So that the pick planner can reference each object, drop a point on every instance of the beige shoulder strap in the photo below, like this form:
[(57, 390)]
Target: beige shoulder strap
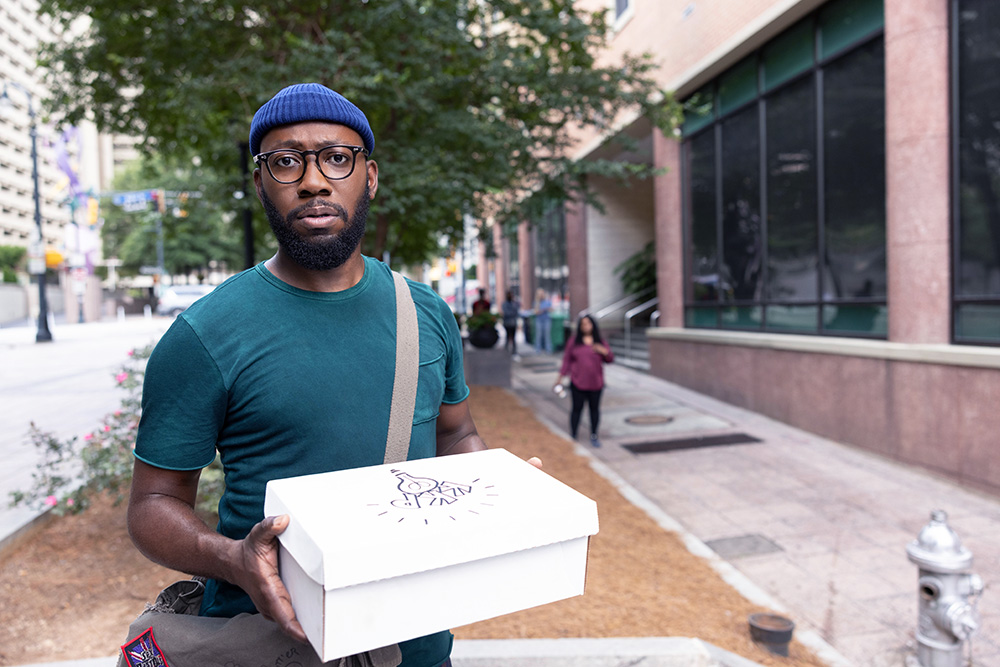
[(404, 385)]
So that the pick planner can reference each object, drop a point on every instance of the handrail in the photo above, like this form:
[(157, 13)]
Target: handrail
[(628, 321), (612, 307), (654, 317)]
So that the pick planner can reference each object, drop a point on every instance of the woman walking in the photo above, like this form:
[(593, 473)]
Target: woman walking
[(583, 363)]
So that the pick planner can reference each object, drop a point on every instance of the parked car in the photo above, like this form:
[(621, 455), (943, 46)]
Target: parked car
[(177, 298)]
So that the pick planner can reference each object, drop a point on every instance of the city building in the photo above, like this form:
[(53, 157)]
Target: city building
[(73, 163), (827, 224)]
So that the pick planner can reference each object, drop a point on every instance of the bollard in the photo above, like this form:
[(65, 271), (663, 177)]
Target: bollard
[(946, 617)]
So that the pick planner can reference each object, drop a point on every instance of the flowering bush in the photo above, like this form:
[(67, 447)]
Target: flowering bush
[(71, 473)]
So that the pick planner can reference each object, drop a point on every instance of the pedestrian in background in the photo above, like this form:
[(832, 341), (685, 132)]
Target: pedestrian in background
[(543, 322), (510, 309), (583, 363), (482, 304)]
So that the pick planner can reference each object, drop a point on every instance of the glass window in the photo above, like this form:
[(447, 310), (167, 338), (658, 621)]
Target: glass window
[(551, 269), (788, 55), (977, 126), (784, 190), (792, 231), (738, 86), (979, 149), (704, 247), (741, 233), (699, 110), (854, 168), (844, 22)]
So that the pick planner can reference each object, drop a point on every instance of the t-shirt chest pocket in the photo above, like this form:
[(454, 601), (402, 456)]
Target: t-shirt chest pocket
[(430, 388)]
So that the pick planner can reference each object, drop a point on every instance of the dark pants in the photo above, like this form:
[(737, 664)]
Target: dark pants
[(511, 341), (593, 400)]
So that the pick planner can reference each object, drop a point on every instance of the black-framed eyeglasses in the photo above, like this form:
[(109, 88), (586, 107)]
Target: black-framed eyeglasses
[(287, 165)]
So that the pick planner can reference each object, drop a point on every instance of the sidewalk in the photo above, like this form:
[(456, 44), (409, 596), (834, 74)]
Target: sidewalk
[(65, 387), (820, 527), (811, 528)]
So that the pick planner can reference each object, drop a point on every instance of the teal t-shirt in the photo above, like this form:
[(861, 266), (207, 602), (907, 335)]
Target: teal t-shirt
[(285, 382)]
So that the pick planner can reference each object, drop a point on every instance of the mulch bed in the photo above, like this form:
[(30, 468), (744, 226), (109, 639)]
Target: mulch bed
[(71, 589)]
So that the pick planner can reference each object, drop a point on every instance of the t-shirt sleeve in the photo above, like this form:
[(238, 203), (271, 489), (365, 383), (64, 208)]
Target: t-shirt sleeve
[(183, 403), (455, 389)]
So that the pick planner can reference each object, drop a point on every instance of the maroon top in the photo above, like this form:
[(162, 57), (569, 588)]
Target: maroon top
[(585, 367)]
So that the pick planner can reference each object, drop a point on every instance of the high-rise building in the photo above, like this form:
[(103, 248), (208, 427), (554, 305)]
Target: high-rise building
[(71, 160)]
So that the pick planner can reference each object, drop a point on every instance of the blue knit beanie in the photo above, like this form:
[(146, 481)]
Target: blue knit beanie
[(304, 102)]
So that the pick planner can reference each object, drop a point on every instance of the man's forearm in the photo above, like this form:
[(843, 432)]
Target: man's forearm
[(168, 532)]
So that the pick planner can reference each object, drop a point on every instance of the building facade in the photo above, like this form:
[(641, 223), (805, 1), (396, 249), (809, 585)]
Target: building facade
[(72, 161), (827, 223)]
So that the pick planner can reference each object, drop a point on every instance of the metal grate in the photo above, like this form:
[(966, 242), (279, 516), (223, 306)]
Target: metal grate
[(648, 420), (742, 546), (692, 443)]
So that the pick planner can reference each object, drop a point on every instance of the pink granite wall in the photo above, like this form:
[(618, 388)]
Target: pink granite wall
[(917, 170), (940, 417), (576, 257), (669, 230)]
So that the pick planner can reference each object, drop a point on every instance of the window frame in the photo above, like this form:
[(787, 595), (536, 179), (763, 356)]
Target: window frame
[(763, 302)]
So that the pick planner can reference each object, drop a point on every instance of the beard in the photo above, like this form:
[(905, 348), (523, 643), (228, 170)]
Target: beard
[(319, 252)]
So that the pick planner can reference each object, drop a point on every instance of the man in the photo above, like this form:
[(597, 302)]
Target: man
[(287, 368)]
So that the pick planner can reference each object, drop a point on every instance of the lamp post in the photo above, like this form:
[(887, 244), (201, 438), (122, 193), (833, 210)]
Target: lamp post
[(43, 335)]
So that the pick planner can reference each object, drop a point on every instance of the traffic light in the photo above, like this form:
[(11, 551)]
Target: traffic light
[(159, 198)]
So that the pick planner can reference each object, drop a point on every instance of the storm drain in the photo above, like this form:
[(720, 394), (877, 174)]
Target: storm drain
[(548, 368), (648, 420), (692, 443), (743, 546)]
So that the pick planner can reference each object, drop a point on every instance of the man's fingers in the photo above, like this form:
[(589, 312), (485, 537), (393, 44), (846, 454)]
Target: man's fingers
[(535, 461)]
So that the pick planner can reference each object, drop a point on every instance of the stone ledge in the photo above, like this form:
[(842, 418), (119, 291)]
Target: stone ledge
[(950, 355)]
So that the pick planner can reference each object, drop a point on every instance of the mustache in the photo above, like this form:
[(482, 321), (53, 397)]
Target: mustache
[(317, 203)]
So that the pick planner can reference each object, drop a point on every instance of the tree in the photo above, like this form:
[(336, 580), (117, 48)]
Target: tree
[(195, 231), (472, 102)]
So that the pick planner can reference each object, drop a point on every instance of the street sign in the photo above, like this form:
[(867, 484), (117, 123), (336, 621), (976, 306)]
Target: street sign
[(133, 201), (149, 270)]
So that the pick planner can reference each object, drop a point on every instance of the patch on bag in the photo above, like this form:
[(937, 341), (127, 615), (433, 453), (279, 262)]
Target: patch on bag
[(143, 651)]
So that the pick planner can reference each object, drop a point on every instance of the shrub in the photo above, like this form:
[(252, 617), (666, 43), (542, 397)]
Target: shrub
[(70, 473)]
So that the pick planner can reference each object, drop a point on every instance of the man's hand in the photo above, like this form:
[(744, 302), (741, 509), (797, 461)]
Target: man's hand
[(165, 528), (257, 562)]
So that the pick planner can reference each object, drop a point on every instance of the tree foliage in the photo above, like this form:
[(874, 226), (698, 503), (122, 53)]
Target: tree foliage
[(194, 225), (473, 102)]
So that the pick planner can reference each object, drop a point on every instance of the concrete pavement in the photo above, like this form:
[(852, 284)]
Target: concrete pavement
[(819, 527), (65, 387), (811, 528)]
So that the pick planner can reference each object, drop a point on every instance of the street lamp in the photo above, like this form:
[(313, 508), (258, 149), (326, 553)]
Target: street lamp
[(43, 335)]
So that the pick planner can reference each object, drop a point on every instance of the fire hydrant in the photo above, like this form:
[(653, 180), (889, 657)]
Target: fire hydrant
[(947, 616)]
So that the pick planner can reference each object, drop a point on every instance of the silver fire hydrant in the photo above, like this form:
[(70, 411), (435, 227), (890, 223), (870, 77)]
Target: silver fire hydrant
[(946, 588)]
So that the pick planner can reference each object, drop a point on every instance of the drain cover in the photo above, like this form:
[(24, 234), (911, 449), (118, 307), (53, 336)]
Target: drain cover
[(648, 420), (691, 443), (742, 546)]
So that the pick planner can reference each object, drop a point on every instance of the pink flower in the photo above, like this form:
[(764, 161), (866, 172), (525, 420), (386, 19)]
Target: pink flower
[(69, 502), (89, 436), (121, 377), (118, 413), (106, 428), (51, 501), (131, 352)]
